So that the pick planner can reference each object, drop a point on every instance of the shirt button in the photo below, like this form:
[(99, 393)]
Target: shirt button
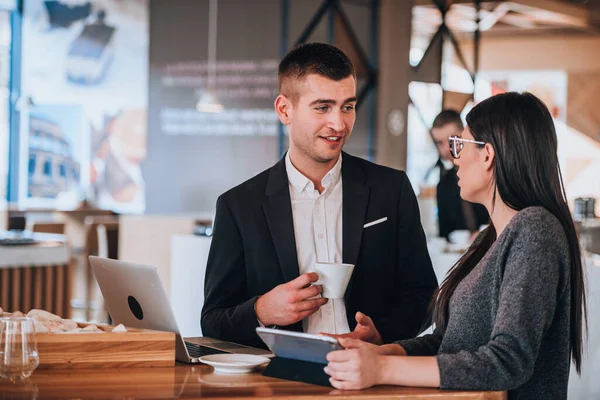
[(321, 236)]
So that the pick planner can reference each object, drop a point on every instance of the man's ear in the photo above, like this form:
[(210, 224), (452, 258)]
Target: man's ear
[(283, 108), (488, 156)]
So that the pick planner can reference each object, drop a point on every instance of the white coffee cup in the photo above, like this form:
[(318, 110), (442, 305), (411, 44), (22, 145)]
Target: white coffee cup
[(460, 237), (334, 278)]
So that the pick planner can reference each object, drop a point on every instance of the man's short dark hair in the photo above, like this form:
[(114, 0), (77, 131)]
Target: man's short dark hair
[(448, 117), (314, 58)]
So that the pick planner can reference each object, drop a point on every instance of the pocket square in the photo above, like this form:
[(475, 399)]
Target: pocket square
[(377, 221)]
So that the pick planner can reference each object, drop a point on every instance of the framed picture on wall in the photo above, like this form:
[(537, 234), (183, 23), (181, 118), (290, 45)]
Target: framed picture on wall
[(54, 147), (93, 54)]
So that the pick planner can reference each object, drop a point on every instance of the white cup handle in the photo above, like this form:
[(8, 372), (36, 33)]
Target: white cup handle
[(319, 281)]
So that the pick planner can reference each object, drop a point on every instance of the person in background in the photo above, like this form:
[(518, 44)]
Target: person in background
[(318, 204), (454, 213), (510, 314)]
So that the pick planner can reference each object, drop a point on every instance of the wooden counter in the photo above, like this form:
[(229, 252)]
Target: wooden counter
[(48, 249), (36, 275), (188, 382)]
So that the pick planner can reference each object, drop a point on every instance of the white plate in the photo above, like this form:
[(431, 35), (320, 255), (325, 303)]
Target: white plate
[(234, 363)]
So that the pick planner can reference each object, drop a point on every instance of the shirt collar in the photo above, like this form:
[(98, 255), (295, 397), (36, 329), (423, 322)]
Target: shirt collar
[(302, 183), (448, 165)]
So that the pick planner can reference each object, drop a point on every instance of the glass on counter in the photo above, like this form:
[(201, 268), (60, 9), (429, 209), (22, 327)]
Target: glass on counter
[(18, 348)]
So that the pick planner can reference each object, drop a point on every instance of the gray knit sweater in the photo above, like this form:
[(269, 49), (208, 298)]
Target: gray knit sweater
[(508, 326)]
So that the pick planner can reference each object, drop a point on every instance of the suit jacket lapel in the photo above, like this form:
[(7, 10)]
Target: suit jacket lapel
[(355, 201), (278, 212)]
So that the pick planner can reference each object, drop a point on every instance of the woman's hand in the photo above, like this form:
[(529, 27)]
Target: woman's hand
[(359, 366)]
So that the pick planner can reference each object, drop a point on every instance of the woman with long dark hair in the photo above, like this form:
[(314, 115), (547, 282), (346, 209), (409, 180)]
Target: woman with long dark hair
[(510, 313)]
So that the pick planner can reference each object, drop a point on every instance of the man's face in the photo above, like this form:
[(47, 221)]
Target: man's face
[(441, 135), (320, 116)]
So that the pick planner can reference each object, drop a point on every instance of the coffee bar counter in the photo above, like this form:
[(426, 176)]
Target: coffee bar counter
[(194, 382), (34, 273), (39, 249)]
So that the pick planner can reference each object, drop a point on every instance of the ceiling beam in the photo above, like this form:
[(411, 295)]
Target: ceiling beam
[(492, 17), (551, 12), (431, 3), (575, 11), (519, 21), (557, 52)]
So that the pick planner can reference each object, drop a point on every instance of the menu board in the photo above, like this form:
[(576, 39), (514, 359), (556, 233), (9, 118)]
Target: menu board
[(193, 156)]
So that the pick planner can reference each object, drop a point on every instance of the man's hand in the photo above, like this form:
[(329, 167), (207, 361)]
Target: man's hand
[(290, 302), (365, 330)]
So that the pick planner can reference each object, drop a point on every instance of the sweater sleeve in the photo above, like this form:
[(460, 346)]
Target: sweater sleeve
[(527, 300), (426, 345)]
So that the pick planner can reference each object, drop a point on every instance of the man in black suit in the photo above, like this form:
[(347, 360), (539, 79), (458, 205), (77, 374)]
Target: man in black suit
[(454, 213), (318, 204)]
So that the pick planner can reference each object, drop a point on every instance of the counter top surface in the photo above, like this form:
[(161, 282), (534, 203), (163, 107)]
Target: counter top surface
[(190, 382), (46, 249)]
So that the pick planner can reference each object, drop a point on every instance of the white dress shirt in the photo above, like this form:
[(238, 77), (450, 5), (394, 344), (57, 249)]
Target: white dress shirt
[(318, 232)]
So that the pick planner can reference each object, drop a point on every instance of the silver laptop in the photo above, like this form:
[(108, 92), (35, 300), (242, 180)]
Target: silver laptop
[(135, 297)]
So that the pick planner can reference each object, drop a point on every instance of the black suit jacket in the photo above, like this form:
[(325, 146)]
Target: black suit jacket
[(253, 250)]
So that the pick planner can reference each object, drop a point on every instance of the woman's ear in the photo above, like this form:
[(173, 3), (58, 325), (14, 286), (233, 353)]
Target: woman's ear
[(488, 155), (283, 109)]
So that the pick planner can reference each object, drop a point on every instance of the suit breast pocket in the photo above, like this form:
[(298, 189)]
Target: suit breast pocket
[(377, 234)]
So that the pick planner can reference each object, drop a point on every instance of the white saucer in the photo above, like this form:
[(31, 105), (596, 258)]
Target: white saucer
[(234, 363)]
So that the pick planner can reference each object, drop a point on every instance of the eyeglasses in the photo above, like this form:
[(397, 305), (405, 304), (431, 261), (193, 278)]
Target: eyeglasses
[(457, 143)]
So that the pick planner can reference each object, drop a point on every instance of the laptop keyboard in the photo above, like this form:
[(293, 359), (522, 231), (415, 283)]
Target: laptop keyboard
[(196, 350)]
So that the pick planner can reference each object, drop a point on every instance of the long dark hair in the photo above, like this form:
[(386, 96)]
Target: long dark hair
[(521, 130)]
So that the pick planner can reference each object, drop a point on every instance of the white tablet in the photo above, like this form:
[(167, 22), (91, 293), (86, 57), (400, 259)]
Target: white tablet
[(298, 345)]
